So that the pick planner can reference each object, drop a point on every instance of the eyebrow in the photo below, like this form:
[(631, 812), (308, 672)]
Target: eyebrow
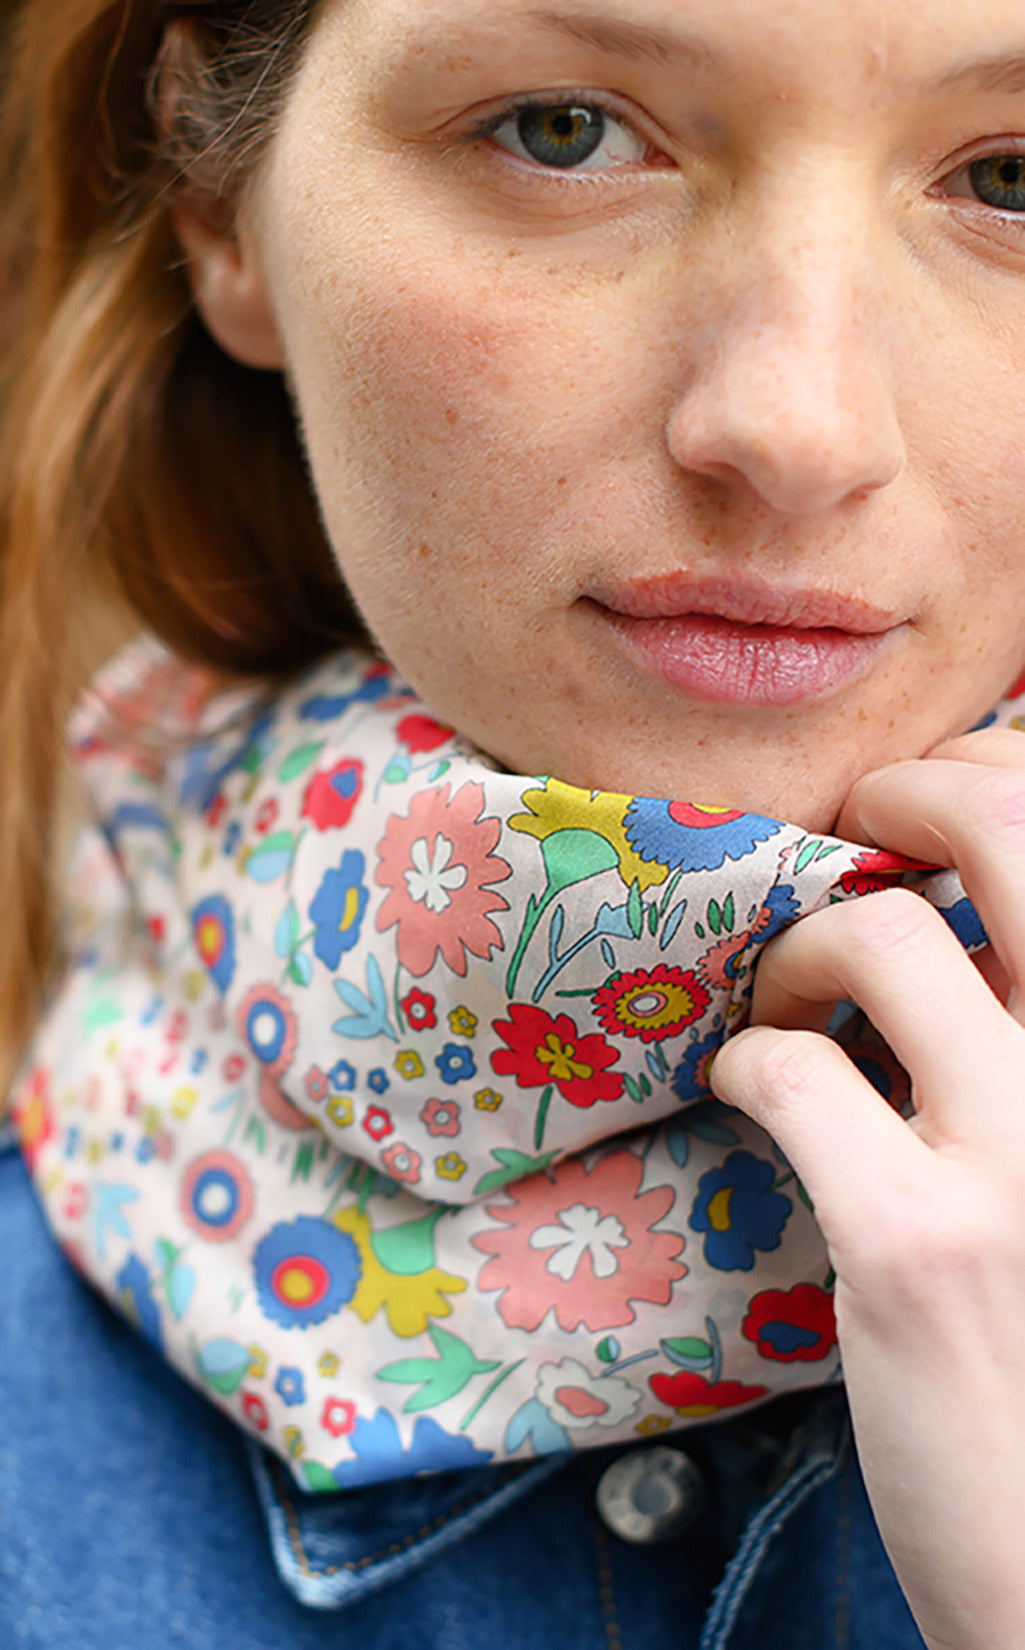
[(986, 74), (624, 39)]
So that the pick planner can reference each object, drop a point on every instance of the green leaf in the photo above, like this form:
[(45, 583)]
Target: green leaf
[(397, 770), (318, 1477), (727, 913), (652, 918), (440, 1378), (633, 1089), (689, 1351), (608, 1350), (407, 1250), (296, 762), (573, 855), (699, 931), (828, 848), (515, 1165), (807, 854), (223, 1364), (635, 909), (714, 917)]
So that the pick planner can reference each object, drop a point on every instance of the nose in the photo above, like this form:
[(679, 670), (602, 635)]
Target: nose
[(790, 382)]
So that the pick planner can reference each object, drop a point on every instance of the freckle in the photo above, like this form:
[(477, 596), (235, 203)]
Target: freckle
[(451, 415), (424, 551), (562, 481)]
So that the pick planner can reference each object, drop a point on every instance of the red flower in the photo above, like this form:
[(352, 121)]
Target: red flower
[(232, 1068), (876, 868), (338, 1417), (377, 1122), (793, 1326), (693, 1397), (33, 1115), (546, 1050), (267, 815), (255, 1411), (418, 1007), (650, 1004), (331, 795), (422, 733)]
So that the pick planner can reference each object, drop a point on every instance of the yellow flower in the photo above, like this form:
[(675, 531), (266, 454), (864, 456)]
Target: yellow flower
[(408, 1063), (151, 1119), (559, 807), (339, 1109), (294, 1441), (487, 1100), (193, 983), (328, 1365), (183, 1101), (462, 1022), (409, 1298), (258, 1358), (652, 1423), (451, 1166), (94, 1150)]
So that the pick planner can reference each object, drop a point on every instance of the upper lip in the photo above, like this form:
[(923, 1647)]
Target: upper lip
[(750, 602)]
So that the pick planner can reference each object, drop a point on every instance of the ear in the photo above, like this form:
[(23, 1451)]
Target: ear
[(228, 283)]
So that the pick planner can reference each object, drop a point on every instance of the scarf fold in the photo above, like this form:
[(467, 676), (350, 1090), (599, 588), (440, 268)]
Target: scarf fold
[(374, 1090)]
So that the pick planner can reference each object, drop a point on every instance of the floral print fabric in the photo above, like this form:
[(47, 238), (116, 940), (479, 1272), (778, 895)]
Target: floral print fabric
[(374, 1091)]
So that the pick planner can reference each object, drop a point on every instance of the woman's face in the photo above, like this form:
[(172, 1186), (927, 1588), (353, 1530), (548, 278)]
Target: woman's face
[(662, 369)]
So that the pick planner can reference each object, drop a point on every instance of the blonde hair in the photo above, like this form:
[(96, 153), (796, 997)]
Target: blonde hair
[(135, 457)]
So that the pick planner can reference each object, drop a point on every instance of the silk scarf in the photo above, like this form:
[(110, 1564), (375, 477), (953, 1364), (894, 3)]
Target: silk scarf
[(374, 1090)]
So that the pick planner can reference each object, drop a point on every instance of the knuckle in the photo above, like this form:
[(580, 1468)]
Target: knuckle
[(995, 803), (793, 1065), (889, 921)]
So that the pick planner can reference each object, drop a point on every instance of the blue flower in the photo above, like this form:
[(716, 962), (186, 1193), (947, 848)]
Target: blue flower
[(739, 1212), (231, 838), (782, 909), (454, 1063), (324, 707), (305, 1270), (204, 774), (135, 1298), (337, 908), (342, 1077), (378, 1080), (966, 924), (213, 930), (683, 836), (690, 1079), (290, 1386), (381, 1455)]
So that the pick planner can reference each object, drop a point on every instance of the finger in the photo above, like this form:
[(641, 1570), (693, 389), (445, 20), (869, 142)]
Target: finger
[(990, 748), (847, 1146), (963, 815), (894, 956)]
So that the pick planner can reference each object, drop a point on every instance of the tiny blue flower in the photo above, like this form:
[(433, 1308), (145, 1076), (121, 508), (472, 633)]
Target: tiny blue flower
[(454, 1063), (342, 1077), (378, 1080)]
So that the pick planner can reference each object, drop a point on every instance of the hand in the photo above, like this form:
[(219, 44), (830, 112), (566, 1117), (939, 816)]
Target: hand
[(925, 1219)]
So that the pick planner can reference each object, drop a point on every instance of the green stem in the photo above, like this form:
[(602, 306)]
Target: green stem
[(542, 1115), (492, 1386)]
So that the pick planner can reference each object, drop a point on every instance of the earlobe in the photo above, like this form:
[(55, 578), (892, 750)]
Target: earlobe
[(229, 287)]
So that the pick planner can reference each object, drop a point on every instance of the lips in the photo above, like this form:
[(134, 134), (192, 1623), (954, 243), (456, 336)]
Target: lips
[(745, 643)]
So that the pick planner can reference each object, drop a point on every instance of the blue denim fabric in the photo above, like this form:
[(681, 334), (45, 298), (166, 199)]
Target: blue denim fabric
[(130, 1520)]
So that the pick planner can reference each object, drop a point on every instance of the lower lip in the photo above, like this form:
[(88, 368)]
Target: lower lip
[(727, 663)]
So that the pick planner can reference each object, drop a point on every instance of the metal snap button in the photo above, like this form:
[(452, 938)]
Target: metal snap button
[(650, 1495)]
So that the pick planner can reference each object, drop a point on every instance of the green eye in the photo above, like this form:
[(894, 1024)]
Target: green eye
[(999, 180), (560, 135), (567, 137)]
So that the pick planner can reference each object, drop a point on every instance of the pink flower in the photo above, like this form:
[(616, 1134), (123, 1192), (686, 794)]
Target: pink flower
[(441, 1117), (581, 1244), (338, 1417), (438, 863), (377, 1122), (331, 795), (402, 1163), (233, 1067), (316, 1084)]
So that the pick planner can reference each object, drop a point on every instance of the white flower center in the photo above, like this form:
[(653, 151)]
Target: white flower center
[(581, 1230), (430, 878)]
